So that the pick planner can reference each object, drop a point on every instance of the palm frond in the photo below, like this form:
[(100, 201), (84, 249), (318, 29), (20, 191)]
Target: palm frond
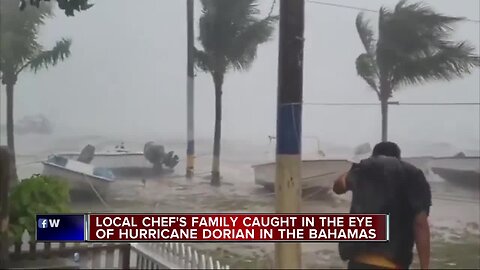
[(416, 29), (244, 48), (366, 33), (449, 63), (230, 32), (413, 34), (366, 68), (19, 32), (202, 60), (70, 6), (424, 16), (383, 51), (59, 52)]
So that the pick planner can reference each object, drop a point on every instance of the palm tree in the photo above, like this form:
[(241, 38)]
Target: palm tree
[(413, 47), (20, 50), (68, 6), (230, 33)]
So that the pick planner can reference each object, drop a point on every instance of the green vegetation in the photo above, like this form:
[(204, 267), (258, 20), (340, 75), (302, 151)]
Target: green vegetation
[(412, 47), (230, 33), (36, 195)]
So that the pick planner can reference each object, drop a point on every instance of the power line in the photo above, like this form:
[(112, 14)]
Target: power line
[(397, 104), (342, 6), (361, 8)]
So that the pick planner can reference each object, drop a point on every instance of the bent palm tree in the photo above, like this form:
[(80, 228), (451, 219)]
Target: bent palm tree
[(230, 33), (413, 47), (20, 50)]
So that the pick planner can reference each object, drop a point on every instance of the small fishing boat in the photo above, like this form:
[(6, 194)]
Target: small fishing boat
[(79, 175), (118, 157), (322, 172), (421, 162), (126, 163), (460, 170), (319, 173)]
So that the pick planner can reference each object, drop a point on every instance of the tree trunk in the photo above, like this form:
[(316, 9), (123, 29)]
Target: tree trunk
[(10, 132), (218, 81), (384, 108), (5, 176)]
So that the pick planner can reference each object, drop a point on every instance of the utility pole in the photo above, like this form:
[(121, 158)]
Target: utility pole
[(190, 94), (288, 192), (0, 113)]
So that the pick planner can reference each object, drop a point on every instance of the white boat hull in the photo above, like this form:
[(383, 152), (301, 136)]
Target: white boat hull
[(77, 181), (464, 171), (115, 160), (315, 173), (322, 172), (457, 163), (422, 163)]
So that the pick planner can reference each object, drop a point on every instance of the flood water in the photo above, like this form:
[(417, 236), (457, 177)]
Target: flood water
[(454, 215)]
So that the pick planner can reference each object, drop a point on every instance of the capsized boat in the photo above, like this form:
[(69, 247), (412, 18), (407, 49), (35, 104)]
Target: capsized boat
[(79, 175), (460, 169)]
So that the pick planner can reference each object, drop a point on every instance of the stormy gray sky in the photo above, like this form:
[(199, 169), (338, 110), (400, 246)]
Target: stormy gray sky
[(126, 77)]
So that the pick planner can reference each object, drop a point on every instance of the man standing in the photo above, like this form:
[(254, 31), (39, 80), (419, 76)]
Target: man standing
[(384, 184)]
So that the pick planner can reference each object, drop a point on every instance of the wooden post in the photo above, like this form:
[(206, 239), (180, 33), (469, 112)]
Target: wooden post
[(289, 124), (125, 253), (5, 175), (190, 93)]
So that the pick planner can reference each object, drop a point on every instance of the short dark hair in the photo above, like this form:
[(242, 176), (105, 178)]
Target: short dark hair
[(389, 149)]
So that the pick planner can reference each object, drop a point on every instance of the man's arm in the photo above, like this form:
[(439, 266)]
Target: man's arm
[(420, 199), (340, 186), (344, 182), (422, 239)]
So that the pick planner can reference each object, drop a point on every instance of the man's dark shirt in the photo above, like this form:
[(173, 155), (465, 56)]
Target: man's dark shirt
[(386, 185)]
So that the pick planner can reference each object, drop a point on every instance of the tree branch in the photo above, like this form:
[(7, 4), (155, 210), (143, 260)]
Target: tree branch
[(50, 57)]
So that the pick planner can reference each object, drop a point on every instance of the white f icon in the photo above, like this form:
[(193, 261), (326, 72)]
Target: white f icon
[(44, 223)]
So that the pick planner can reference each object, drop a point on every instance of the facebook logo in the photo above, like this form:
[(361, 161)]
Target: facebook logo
[(44, 223)]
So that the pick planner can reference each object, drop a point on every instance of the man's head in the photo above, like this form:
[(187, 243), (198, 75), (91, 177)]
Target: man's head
[(388, 149)]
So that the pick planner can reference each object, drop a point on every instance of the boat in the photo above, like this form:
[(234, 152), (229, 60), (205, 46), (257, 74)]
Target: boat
[(125, 163), (119, 157), (322, 172), (315, 173), (459, 170), (421, 162), (79, 175)]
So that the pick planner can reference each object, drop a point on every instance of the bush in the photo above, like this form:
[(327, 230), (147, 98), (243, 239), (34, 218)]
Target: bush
[(36, 195)]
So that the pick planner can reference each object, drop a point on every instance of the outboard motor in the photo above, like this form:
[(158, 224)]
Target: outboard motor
[(171, 160), (87, 154), (155, 153)]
